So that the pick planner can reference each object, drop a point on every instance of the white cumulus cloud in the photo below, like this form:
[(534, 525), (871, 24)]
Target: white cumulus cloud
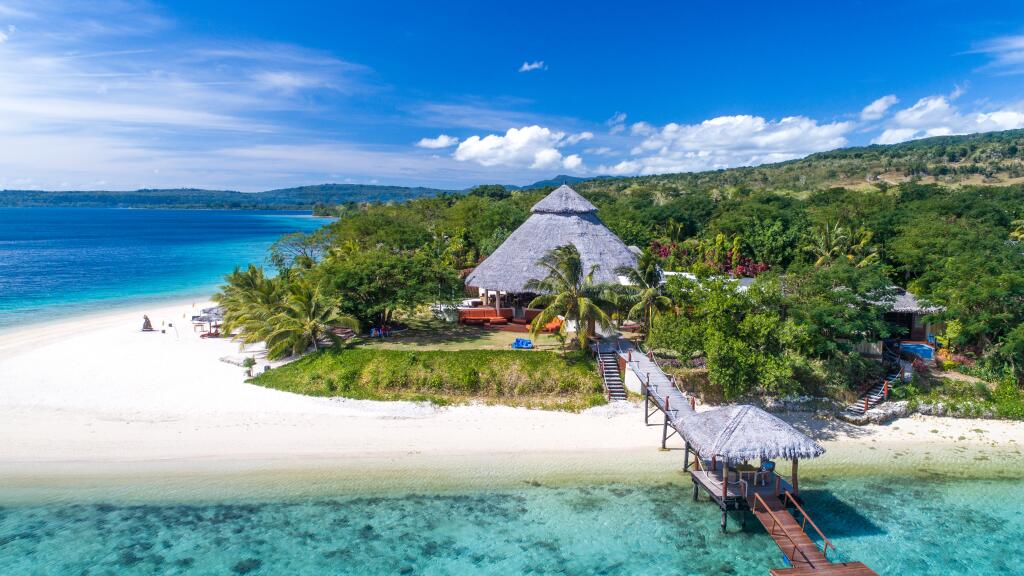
[(534, 147), (531, 66), (442, 141), (572, 162), (577, 138), (728, 141), (938, 116), (878, 108), (642, 129)]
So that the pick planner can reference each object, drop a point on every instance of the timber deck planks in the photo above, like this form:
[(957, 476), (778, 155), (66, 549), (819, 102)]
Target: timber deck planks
[(789, 536), (837, 569)]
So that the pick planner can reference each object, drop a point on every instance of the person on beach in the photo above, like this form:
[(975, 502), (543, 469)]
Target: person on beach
[(147, 326)]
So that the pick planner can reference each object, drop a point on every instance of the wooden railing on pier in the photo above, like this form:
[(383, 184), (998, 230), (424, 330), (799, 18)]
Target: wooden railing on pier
[(799, 549), (789, 500), (803, 554)]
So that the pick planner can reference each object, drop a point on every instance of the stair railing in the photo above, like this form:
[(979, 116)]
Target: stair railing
[(604, 377), (776, 523), (826, 543)]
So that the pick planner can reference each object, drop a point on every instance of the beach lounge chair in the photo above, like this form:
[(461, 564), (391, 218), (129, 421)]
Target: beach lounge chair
[(553, 326), (522, 344)]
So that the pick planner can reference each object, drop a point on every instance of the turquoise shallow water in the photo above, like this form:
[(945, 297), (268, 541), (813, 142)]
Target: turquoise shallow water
[(61, 261), (895, 525)]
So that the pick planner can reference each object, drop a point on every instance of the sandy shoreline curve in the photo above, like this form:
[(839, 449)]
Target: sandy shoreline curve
[(93, 401)]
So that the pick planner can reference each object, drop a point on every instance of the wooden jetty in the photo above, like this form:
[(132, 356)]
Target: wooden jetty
[(720, 442)]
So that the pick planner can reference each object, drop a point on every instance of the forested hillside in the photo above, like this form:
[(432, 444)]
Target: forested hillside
[(990, 158)]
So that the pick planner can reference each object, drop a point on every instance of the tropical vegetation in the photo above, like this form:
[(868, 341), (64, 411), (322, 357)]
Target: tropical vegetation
[(825, 260)]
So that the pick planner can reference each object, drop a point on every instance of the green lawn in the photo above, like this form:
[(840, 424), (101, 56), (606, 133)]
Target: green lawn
[(431, 334), (455, 365)]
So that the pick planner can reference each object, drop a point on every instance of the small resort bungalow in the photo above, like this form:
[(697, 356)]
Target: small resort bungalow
[(562, 217)]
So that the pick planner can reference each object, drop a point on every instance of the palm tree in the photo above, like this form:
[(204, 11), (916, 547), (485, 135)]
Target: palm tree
[(645, 289), (570, 292), (828, 244), (860, 252), (249, 299), (1017, 233), (305, 320)]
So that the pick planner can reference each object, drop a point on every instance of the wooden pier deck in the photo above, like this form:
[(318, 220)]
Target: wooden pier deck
[(768, 496), (770, 500), (833, 569)]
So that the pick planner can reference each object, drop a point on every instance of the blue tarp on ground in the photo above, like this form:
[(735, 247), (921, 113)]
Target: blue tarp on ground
[(522, 344)]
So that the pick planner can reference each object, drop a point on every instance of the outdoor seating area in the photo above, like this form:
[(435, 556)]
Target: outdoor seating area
[(208, 322), (509, 319), (485, 315)]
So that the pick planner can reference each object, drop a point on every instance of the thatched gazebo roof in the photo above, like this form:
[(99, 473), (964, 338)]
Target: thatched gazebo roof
[(562, 217), (741, 433)]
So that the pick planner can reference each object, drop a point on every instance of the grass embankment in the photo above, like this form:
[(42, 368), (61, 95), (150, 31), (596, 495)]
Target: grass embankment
[(965, 396), (518, 378)]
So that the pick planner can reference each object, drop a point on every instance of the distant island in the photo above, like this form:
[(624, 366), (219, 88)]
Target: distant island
[(318, 197), (300, 198), (950, 161)]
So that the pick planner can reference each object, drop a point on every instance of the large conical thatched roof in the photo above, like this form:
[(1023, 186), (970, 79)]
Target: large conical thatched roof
[(741, 433), (562, 217)]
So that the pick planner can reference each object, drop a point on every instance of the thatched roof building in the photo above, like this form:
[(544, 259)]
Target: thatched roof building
[(907, 303), (742, 433), (562, 217)]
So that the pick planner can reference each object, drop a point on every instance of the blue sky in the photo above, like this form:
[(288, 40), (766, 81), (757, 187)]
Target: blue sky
[(248, 95)]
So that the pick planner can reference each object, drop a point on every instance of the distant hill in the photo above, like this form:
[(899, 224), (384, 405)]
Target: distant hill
[(995, 158), (991, 158), (556, 181), (301, 198)]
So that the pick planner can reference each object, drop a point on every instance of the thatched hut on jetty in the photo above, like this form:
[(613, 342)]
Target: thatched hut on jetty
[(724, 440)]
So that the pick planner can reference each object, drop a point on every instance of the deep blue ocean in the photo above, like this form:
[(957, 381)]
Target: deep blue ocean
[(57, 262)]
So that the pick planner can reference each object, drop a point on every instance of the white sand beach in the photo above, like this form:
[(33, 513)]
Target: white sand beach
[(96, 396)]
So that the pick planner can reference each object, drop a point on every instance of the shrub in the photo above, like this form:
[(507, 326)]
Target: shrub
[(1009, 399)]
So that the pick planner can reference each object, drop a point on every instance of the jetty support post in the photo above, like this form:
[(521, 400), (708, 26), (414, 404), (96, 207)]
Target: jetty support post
[(794, 479), (647, 407), (725, 481), (686, 458), (724, 516), (664, 428)]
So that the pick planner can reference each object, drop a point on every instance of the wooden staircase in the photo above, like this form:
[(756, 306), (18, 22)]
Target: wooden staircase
[(608, 365), (872, 396), (875, 395)]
